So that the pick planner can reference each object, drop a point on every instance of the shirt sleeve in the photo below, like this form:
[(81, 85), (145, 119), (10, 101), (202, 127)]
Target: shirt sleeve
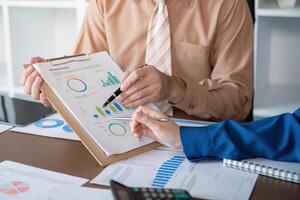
[(228, 92), (276, 138), (92, 37)]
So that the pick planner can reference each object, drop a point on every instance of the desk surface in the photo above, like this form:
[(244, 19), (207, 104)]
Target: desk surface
[(72, 158)]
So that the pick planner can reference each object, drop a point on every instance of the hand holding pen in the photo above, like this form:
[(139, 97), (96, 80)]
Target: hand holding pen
[(115, 94), (147, 85), (148, 122)]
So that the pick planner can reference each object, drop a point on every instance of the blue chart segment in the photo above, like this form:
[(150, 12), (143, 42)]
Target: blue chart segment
[(110, 80), (49, 123), (67, 128), (166, 171), (110, 109)]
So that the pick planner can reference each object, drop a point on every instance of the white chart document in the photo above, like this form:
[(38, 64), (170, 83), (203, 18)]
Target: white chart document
[(77, 193), (23, 182), (51, 126), (170, 169), (4, 127), (83, 87)]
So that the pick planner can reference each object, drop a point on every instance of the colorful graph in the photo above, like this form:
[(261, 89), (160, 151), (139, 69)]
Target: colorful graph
[(117, 129), (110, 80), (52, 123), (49, 123), (110, 109), (77, 85), (167, 170), (14, 187), (67, 128)]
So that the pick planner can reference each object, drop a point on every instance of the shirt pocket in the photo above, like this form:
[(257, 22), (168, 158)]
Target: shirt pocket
[(191, 60)]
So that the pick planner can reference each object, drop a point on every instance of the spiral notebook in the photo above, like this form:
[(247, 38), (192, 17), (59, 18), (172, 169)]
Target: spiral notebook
[(288, 171)]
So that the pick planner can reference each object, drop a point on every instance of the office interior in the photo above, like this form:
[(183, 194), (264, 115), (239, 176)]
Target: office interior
[(49, 29)]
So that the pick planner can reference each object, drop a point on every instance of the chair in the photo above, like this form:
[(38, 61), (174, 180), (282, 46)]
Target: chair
[(252, 9)]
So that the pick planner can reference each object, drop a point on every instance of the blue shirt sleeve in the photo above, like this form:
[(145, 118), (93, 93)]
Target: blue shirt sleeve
[(276, 138)]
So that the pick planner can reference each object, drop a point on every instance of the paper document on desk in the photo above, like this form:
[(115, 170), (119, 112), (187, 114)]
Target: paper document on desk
[(77, 193), (83, 87), (4, 128), (23, 182), (52, 126), (169, 169)]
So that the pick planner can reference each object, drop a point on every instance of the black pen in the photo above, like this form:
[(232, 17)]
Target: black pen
[(112, 97), (115, 94)]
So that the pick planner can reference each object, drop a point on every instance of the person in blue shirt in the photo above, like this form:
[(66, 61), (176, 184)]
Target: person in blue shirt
[(276, 138)]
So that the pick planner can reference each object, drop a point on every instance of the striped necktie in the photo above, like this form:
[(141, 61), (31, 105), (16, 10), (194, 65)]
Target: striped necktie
[(158, 48)]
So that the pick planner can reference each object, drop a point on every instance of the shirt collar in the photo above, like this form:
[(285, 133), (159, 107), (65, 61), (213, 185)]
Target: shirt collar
[(187, 3)]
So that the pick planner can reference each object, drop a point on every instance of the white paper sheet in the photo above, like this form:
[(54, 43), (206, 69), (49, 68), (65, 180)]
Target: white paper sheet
[(162, 168), (83, 87), (51, 126), (77, 193), (4, 128), (23, 182)]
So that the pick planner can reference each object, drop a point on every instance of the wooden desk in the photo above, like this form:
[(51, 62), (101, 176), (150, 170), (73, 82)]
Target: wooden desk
[(72, 158)]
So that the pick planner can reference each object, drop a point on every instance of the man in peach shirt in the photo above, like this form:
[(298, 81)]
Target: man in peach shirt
[(211, 54)]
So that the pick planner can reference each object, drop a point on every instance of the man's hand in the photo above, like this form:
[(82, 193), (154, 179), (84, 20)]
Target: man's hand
[(147, 85), (32, 82), (144, 123)]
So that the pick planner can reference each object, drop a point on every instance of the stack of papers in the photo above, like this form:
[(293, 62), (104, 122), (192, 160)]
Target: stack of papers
[(4, 127), (77, 193), (170, 169), (51, 126), (19, 181)]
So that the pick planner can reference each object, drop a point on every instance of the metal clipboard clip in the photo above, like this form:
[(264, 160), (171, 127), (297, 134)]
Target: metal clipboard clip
[(52, 60)]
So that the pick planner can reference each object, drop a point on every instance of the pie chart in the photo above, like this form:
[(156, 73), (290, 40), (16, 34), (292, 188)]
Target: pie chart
[(117, 129), (49, 123), (14, 187), (77, 85), (67, 128)]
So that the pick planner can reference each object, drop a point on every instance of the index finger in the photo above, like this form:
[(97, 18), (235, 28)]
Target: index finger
[(34, 60), (134, 123), (125, 75), (27, 72), (134, 76)]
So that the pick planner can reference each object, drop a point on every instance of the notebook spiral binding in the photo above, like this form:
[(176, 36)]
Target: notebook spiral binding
[(263, 170)]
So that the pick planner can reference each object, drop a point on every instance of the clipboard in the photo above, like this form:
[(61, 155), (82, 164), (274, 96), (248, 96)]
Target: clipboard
[(85, 138)]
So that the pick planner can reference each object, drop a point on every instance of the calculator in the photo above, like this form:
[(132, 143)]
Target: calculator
[(122, 192)]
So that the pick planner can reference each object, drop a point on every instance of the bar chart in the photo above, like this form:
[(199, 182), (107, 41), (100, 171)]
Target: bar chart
[(167, 170), (112, 108), (110, 80)]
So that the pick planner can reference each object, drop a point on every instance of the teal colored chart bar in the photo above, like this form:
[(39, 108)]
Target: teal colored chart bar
[(110, 80), (113, 77)]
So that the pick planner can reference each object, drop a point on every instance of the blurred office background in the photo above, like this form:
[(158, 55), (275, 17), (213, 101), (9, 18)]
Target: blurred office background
[(49, 28)]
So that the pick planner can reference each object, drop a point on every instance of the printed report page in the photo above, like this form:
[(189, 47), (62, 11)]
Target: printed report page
[(83, 86)]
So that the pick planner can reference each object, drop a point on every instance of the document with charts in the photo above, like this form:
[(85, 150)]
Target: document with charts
[(83, 86), (166, 168), (24, 182)]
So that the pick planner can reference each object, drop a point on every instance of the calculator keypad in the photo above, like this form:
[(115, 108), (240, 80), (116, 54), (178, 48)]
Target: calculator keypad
[(161, 194)]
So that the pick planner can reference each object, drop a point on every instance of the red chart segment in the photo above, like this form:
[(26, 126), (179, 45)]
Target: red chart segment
[(14, 187)]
